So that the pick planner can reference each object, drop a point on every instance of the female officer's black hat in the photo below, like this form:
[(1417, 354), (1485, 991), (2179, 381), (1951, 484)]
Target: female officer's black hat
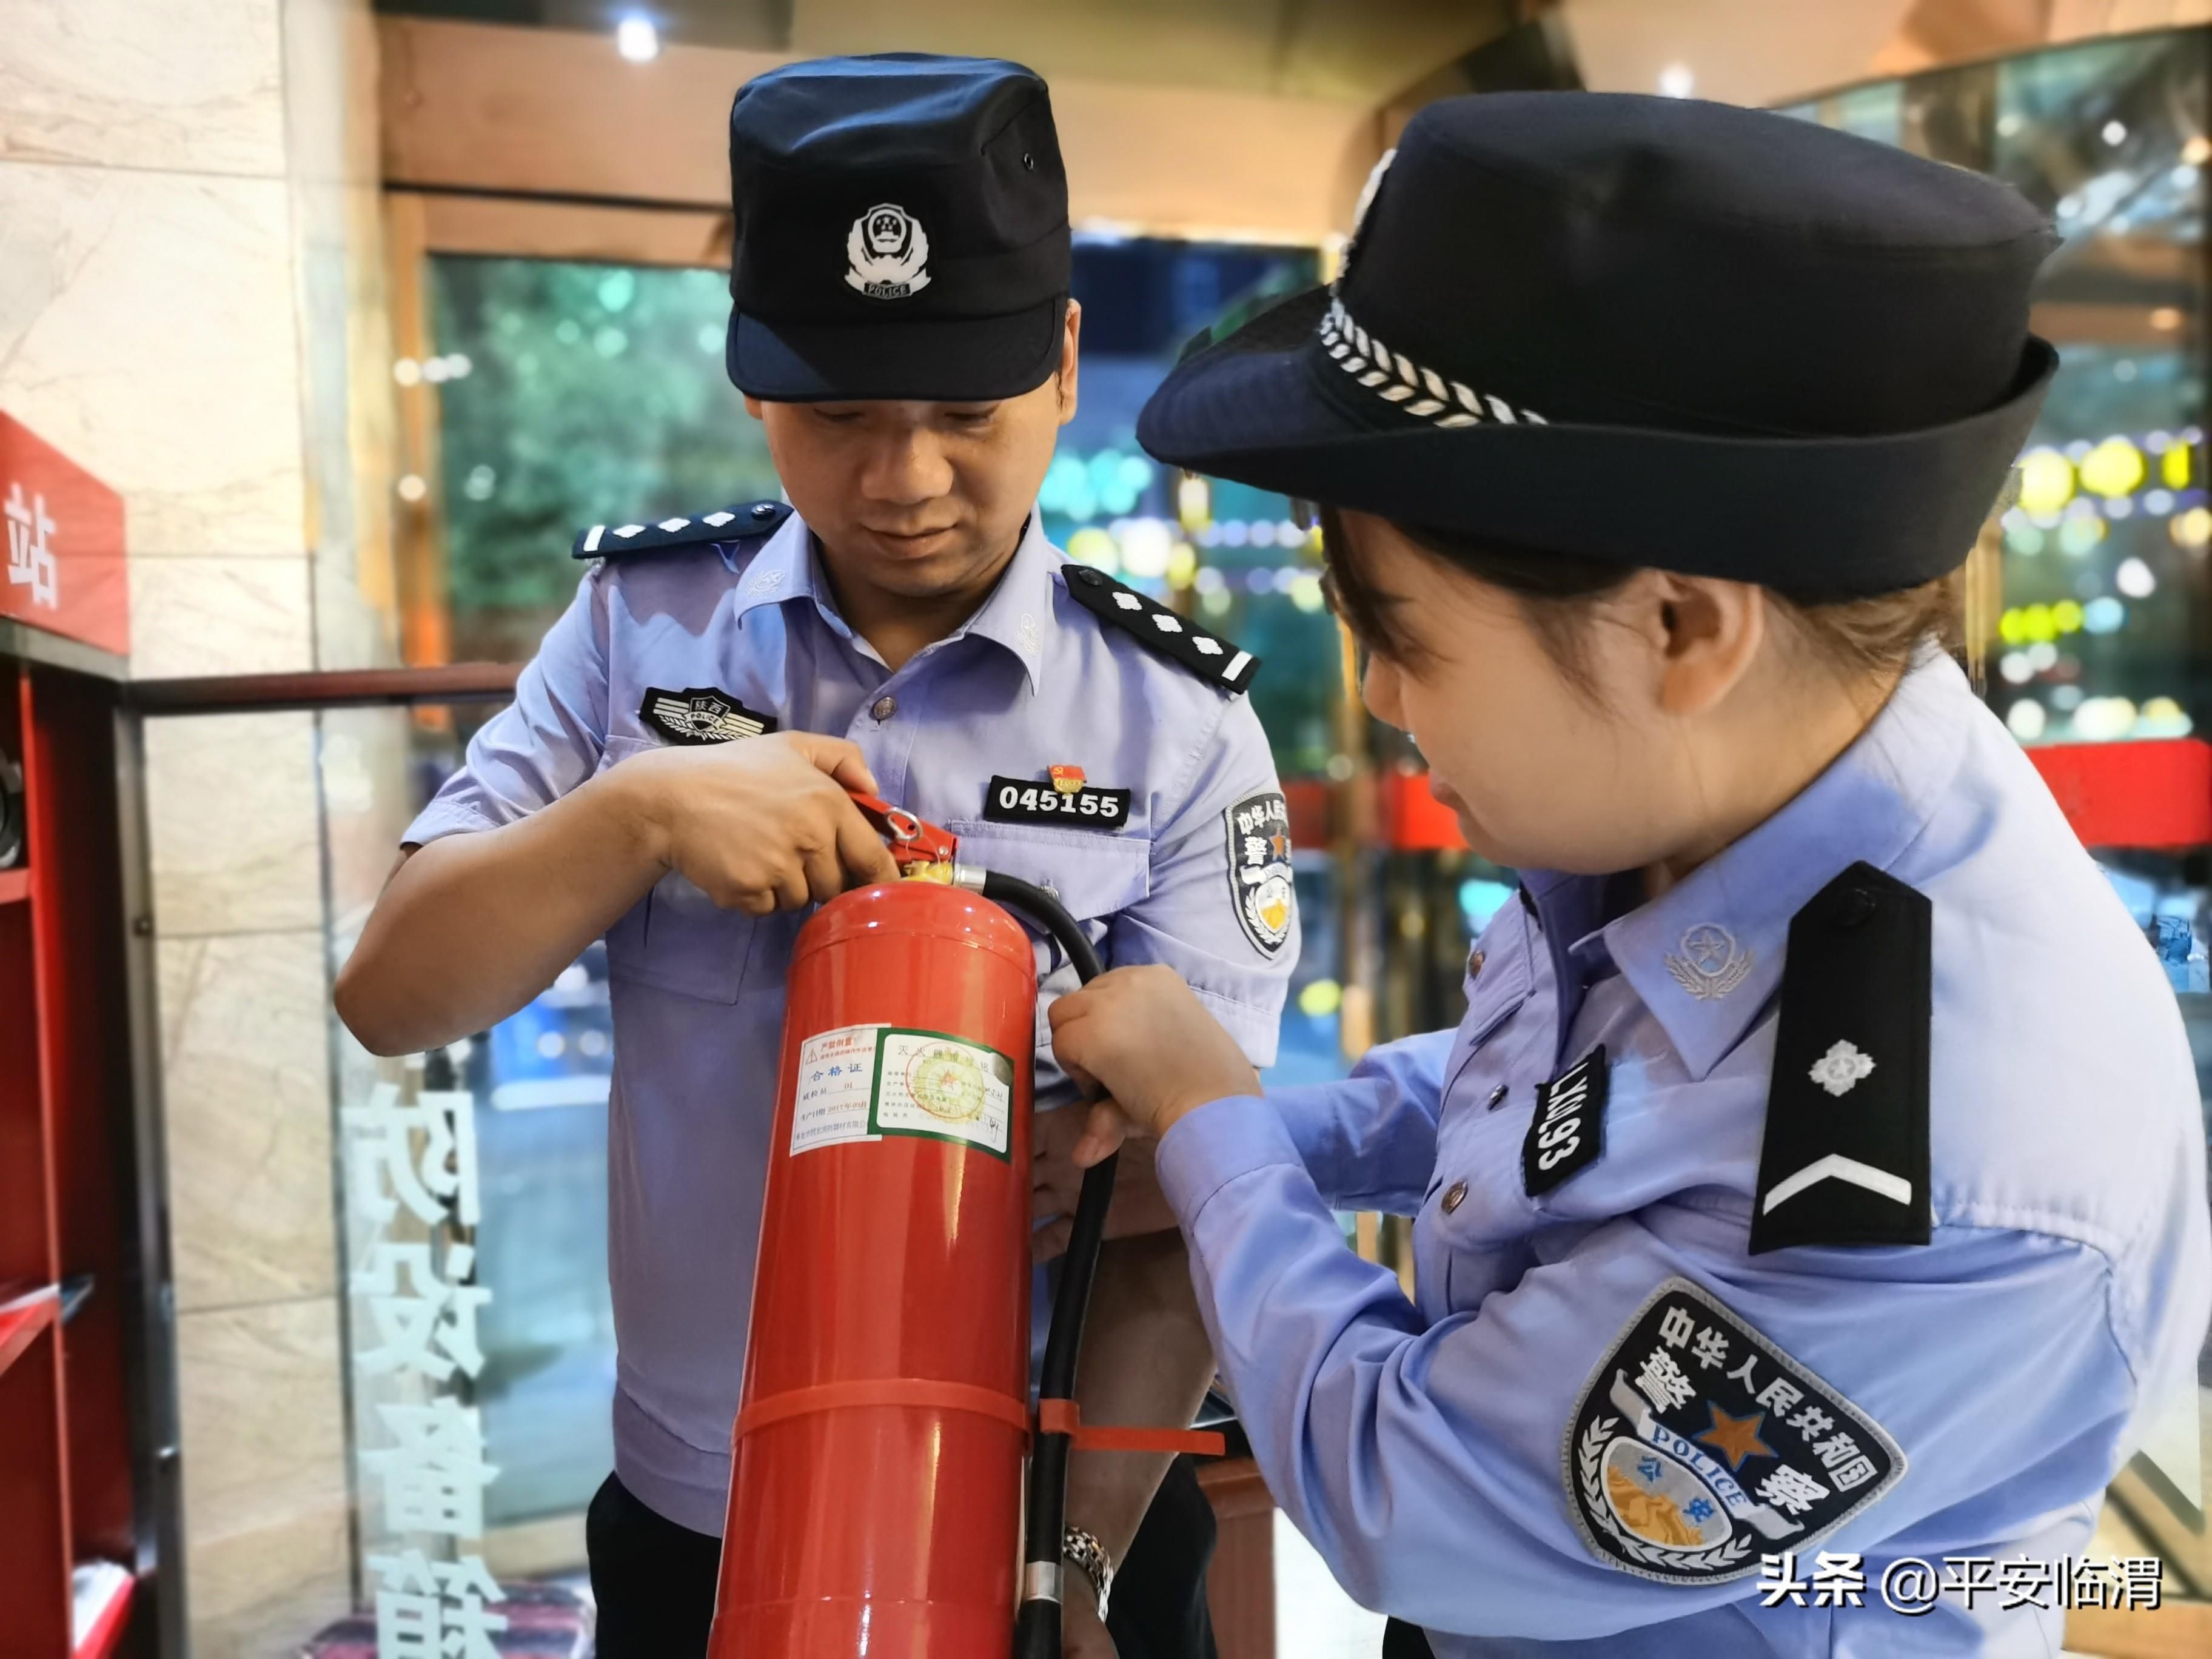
[(900, 230), (1649, 330)]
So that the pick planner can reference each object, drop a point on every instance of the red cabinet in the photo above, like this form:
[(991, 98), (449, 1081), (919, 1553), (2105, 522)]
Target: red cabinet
[(86, 1465)]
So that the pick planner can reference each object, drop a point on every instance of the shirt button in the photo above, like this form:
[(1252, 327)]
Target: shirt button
[(1455, 1197), (884, 707), (1475, 961), (1498, 1096)]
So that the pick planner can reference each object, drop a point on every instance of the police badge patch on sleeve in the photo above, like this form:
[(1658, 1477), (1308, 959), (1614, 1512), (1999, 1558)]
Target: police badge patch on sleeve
[(1260, 881), (1698, 1446), (701, 714)]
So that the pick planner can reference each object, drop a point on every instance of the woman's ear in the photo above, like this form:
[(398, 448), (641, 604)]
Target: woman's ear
[(1708, 633)]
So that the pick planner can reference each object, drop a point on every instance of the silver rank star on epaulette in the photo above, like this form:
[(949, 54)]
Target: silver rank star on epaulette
[(743, 522), (1209, 656)]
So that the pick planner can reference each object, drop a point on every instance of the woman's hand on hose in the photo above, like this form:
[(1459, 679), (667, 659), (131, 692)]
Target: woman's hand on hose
[(1140, 1037)]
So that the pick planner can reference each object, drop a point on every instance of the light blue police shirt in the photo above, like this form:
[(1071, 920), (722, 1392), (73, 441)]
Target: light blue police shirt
[(1031, 681), (1424, 1447)]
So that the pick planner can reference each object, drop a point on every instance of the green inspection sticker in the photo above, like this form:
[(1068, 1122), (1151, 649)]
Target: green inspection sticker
[(944, 1087)]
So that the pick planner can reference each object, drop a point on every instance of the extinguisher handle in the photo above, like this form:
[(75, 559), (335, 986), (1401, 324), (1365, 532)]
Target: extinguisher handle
[(913, 840)]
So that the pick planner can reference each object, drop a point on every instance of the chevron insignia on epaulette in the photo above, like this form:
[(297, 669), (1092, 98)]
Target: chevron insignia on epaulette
[(1209, 656), (743, 522)]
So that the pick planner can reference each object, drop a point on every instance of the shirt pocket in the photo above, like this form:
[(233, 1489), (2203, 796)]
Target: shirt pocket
[(676, 938), (1096, 877)]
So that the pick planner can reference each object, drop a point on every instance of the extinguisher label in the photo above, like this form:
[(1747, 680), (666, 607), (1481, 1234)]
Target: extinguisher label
[(930, 1084), (836, 1088), (863, 1082)]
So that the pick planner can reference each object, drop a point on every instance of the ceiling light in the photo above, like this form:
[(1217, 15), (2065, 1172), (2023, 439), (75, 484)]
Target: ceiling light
[(1676, 81), (2115, 132), (637, 39)]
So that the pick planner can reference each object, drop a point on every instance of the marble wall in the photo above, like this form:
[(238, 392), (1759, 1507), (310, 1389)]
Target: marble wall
[(191, 307)]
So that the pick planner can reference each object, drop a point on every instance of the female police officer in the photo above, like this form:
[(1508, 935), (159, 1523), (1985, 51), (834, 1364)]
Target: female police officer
[(1648, 431)]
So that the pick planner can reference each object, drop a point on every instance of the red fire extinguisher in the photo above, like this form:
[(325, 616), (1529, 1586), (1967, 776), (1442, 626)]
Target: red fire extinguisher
[(876, 1500)]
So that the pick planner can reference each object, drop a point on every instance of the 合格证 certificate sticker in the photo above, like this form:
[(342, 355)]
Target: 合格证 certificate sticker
[(929, 1084)]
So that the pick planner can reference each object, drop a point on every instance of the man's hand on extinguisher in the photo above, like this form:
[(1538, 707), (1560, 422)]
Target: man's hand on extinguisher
[(471, 927), (762, 825)]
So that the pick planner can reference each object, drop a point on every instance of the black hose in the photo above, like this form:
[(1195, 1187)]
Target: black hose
[(1036, 1625)]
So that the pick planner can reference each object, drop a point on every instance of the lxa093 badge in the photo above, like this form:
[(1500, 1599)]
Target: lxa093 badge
[(1698, 1446), (1260, 880), (1067, 798), (1567, 1133), (702, 715)]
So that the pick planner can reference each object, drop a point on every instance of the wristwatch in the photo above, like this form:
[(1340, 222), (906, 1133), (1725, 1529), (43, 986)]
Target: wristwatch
[(1084, 1551)]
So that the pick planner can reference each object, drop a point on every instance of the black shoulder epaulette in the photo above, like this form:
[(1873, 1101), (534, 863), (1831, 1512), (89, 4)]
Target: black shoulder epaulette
[(743, 522), (1846, 1156), (1209, 656)]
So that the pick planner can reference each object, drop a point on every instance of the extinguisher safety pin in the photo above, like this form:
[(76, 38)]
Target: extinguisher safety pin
[(915, 839)]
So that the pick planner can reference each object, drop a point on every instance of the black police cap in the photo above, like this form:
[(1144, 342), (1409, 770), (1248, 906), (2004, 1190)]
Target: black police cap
[(901, 230), (1654, 331)]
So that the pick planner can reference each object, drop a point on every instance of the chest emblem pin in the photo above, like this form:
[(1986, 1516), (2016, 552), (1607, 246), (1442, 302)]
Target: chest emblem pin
[(1711, 963), (700, 713)]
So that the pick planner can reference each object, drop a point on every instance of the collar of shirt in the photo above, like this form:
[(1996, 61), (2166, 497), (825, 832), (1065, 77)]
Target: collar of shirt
[(1013, 616), (1707, 955)]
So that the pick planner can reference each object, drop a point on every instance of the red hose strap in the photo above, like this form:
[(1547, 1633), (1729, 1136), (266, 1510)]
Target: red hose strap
[(883, 1391), (1065, 1416)]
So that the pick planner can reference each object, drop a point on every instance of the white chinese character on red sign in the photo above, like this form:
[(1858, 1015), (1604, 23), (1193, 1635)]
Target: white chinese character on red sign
[(30, 557)]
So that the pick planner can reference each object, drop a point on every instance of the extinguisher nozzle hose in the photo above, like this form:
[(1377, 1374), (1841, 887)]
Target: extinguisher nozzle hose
[(1037, 1628), (1042, 905)]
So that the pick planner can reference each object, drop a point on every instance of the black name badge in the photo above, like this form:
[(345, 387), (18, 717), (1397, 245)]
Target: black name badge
[(1698, 1446), (1020, 800), (1567, 1133)]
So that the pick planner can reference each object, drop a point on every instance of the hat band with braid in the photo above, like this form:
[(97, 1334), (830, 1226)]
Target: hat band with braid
[(1396, 379)]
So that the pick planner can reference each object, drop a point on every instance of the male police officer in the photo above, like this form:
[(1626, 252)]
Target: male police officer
[(672, 774)]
